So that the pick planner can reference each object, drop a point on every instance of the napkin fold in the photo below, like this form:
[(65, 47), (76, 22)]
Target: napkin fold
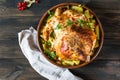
[(28, 44)]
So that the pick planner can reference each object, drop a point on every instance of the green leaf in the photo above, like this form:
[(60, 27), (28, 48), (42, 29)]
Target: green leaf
[(47, 51), (81, 22), (69, 22), (47, 43), (58, 27), (30, 2), (51, 14), (51, 55)]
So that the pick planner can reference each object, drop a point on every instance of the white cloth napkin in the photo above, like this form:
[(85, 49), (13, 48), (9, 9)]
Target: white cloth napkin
[(28, 44)]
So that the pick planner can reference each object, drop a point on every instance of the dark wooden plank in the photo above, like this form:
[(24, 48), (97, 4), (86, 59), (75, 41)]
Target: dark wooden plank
[(9, 28), (104, 4), (19, 69), (100, 70), (9, 8)]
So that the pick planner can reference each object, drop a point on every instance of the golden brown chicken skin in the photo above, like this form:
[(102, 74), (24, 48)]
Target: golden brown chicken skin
[(77, 44)]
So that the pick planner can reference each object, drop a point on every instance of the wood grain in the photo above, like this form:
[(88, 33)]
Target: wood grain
[(9, 8), (13, 64), (102, 70), (19, 69)]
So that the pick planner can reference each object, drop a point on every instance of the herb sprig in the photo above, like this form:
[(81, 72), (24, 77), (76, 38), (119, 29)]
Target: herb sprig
[(51, 14), (52, 55), (69, 22), (59, 26)]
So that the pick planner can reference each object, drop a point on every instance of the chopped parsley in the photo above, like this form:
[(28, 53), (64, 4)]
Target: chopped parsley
[(51, 14), (81, 22), (84, 23), (51, 55), (48, 43), (58, 27), (69, 22)]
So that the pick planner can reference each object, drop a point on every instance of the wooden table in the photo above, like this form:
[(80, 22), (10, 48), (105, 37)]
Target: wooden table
[(14, 66)]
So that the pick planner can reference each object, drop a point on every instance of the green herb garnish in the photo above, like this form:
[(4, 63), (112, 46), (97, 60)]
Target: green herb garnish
[(48, 43), (58, 27), (69, 22), (51, 55), (51, 14), (81, 22)]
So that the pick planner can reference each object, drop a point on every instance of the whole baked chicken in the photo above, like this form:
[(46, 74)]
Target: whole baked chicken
[(72, 42)]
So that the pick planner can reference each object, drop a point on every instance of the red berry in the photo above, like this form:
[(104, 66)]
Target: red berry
[(25, 7), (19, 4), (22, 5), (25, 3), (22, 8), (36, 1), (19, 9)]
